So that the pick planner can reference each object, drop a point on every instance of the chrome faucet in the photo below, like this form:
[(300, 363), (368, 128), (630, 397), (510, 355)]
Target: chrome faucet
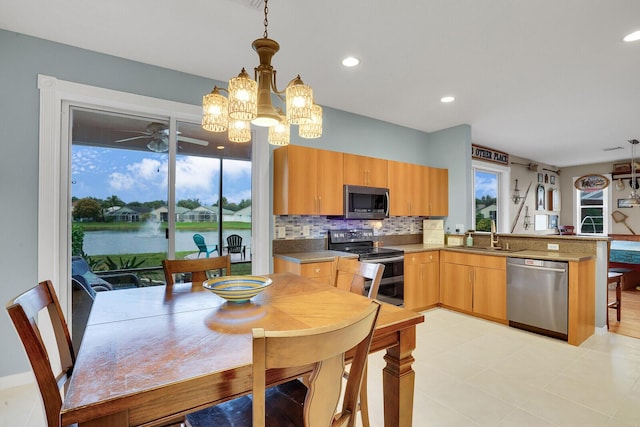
[(494, 236)]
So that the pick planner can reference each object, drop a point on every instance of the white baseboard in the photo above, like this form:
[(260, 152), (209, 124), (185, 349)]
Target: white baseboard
[(17, 380)]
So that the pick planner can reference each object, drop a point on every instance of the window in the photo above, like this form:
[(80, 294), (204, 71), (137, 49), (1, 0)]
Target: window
[(489, 194), (592, 212)]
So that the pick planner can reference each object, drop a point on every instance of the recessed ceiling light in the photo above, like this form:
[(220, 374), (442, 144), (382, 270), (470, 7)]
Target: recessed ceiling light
[(220, 147), (635, 36), (447, 99), (350, 61)]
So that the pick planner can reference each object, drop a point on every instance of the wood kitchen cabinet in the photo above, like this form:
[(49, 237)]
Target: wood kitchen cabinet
[(366, 171), (318, 271), (406, 189), (474, 283), (421, 280), (307, 181), (437, 191)]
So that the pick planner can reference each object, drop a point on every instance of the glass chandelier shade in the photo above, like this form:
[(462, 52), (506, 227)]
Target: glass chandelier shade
[(215, 111), (239, 131), (243, 94), (299, 102), (280, 134), (312, 128)]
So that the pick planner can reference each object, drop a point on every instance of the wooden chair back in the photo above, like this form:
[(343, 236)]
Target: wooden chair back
[(24, 311), (198, 268), (349, 274), (324, 348)]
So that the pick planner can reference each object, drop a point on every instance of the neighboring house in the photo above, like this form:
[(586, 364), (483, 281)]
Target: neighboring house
[(161, 214), (200, 214), (242, 215), (128, 214), (488, 211)]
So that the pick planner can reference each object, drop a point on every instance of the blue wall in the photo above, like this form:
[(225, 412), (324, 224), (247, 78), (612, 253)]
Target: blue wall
[(24, 57)]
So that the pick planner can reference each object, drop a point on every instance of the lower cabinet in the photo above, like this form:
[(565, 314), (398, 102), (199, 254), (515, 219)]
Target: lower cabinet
[(421, 280), (318, 271), (474, 283)]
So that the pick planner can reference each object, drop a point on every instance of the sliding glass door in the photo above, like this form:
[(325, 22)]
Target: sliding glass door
[(142, 187)]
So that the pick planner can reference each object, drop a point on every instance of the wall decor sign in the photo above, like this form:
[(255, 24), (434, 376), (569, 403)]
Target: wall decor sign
[(591, 183), (489, 154)]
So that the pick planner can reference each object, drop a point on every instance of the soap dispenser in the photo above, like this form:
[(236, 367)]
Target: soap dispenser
[(469, 239)]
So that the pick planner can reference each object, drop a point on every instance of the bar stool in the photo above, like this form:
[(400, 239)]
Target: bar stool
[(616, 278)]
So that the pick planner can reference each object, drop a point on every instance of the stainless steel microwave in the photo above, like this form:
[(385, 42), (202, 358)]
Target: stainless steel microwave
[(365, 202)]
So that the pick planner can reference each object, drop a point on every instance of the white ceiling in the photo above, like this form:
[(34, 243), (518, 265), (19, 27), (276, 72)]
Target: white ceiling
[(548, 80)]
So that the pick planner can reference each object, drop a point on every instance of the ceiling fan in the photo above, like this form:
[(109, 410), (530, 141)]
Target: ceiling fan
[(158, 135)]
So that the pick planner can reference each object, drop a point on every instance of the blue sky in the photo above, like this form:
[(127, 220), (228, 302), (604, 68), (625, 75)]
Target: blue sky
[(142, 176), (486, 184)]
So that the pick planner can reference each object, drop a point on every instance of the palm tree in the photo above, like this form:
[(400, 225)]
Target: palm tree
[(112, 201)]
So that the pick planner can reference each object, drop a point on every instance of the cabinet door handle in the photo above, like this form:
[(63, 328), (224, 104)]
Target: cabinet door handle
[(319, 204)]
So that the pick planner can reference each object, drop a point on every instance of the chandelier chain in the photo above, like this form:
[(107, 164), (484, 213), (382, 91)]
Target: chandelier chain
[(266, 19)]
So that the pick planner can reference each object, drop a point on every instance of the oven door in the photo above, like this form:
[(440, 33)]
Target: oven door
[(392, 284)]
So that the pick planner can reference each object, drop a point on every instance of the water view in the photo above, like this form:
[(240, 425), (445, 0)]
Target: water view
[(149, 240)]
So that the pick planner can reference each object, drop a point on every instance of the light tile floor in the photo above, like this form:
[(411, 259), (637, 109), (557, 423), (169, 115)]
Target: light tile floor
[(471, 372)]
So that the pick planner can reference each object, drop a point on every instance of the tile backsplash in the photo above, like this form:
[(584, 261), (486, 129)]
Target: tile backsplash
[(315, 227)]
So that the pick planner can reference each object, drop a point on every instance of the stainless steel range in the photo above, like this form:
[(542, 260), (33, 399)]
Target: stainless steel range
[(361, 242)]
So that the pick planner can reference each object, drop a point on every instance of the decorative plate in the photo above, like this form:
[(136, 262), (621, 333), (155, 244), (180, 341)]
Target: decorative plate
[(237, 289)]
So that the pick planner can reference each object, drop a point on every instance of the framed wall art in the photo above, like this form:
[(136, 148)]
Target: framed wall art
[(540, 198)]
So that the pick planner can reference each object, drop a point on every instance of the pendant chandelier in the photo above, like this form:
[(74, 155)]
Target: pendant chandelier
[(249, 101), (634, 198)]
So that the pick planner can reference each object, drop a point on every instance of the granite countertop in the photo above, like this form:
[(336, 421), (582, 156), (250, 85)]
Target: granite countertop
[(317, 256), (416, 247)]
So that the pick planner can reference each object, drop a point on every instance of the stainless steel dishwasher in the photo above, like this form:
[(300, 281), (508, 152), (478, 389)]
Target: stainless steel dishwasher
[(538, 296)]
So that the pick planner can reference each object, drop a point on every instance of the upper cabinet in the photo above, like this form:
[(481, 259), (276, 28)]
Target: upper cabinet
[(437, 191), (367, 171), (406, 189), (307, 181)]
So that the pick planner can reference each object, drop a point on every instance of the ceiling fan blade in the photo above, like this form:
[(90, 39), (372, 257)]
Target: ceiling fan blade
[(133, 138), (193, 140)]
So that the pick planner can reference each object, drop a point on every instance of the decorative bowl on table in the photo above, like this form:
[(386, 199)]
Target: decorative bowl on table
[(237, 289)]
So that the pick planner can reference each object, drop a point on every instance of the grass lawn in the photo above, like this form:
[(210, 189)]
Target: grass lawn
[(193, 226)]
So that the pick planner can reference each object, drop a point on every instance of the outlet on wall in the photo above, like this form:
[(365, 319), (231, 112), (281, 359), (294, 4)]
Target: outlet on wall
[(306, 230), (281, 232), (553, 247)]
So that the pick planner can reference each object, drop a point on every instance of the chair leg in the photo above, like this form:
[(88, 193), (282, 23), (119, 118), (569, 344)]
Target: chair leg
[(618, 299), (364, 406)]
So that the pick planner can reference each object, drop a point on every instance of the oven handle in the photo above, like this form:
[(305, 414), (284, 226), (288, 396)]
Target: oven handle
[(383, 260)]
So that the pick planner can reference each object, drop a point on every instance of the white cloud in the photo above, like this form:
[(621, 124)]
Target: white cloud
[(121, 182)]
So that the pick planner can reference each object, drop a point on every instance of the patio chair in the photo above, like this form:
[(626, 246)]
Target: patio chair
[(81, 271), (203, 248), (234, 245)]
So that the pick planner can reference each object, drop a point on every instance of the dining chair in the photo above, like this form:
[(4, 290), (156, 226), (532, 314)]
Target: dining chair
[(350, 275), (24, 311), (235, 246), (203, 248), (197, 268), (292, 403)]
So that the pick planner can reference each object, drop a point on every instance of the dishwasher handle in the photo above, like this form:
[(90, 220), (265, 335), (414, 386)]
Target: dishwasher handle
[(533, 267)]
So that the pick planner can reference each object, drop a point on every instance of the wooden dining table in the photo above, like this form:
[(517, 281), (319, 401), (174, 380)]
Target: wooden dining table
[(150, 355)]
